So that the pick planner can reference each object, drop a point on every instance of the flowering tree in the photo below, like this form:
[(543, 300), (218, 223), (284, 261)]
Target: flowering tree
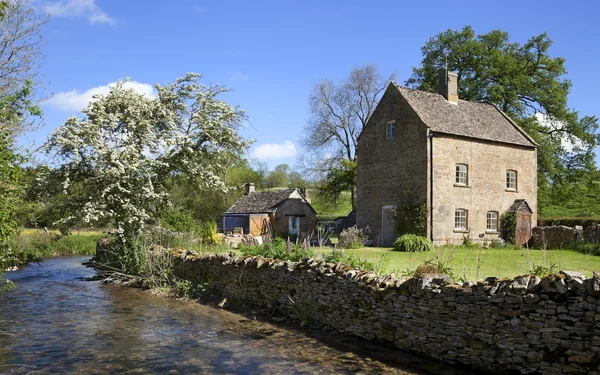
[(127, 145)]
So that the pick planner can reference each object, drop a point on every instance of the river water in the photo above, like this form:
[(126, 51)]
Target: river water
[(58, 322)]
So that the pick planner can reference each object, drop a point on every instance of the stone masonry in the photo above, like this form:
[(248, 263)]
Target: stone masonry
[(485, 190), (524, 325), (432, 136)]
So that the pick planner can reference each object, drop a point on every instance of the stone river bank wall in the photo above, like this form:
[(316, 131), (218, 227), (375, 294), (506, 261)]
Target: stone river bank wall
[(524, 325)]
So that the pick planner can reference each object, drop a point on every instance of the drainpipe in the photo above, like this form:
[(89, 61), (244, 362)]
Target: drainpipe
[(430, 136)]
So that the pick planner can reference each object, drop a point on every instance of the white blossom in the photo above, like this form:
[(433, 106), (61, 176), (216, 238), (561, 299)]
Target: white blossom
[(127, 145)]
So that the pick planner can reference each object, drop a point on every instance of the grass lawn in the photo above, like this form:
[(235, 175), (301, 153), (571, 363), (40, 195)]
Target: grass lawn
[(478, 263)]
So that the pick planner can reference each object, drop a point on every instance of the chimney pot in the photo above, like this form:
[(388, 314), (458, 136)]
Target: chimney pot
[(449, 86)]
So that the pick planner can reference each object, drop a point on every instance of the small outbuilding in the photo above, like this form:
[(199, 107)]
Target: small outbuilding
[(285, 212)]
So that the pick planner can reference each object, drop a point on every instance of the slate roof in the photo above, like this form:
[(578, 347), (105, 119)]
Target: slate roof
[(519, 205), (259, 202), (469, 119)]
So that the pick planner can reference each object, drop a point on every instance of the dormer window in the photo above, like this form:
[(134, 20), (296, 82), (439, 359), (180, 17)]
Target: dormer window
[(390, 130)]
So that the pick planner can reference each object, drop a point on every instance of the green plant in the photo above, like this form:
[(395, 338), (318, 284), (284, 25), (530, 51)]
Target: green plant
[(412, 243), (508, 226), (352, 238), (495, 244), (411, 219), (468, 242), (543, 270), (352, 261), (278, 248)]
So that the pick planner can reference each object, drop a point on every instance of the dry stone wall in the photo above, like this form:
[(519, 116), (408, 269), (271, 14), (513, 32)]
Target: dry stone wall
[(561, 236), (524, 325)]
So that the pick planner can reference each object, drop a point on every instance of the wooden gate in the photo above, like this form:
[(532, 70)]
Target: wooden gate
[(259, 225), (523, 228)]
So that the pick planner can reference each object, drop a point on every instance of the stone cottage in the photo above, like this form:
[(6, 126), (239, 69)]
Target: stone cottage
[(285, 212), (467, 162)]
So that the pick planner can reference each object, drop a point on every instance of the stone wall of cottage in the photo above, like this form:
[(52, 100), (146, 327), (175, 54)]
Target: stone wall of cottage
[(294, 207), (524, 325), (486, 188), (390, 171)]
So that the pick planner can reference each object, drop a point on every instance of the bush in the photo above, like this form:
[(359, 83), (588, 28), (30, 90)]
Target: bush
[(508, 226), (278, 249), (352, 238), (411, 219), (412, 243)]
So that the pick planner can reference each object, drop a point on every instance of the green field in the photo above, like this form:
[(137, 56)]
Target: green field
[(31, 245), (328, 210), (478, 263)]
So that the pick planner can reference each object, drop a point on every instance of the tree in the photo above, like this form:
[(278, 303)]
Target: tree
[(524, 81), (20, 41), (20, 56), (127, 147), (338, 113), (339, 180), (205, 204), (278, 177)]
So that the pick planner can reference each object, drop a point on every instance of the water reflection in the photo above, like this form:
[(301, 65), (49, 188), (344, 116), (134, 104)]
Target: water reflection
[(57, 323)]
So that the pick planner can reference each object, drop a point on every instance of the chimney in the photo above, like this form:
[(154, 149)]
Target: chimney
[(305, 194), (449, 86), (249, 188)]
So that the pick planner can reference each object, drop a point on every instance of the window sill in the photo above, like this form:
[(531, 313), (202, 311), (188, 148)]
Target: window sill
[(462, 186), (461, 231), (511, 190), (492, 232)]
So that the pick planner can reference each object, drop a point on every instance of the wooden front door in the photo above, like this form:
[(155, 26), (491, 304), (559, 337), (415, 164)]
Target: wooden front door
[(523, 228)]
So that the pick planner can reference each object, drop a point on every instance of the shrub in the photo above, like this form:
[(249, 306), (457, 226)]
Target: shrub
[(278, 249), (411, 219), (352, 238), (508, 226), (412, 243)]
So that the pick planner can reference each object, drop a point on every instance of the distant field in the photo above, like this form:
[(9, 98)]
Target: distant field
[(76, 232), (329, 210), (492, 262)]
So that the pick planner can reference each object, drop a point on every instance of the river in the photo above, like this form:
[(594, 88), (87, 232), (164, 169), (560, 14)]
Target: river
[(58, 322)]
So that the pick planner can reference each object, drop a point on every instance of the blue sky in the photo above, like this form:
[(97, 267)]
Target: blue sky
[(271, 53)]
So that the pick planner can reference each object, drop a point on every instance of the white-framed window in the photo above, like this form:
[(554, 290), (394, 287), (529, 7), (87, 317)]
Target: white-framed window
[(492, 221), (462, 174), (390, 130), (511, 179), (460, 219)]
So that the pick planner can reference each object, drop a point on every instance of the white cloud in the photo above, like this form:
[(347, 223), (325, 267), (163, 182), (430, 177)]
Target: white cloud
[(272, 151), (239, 76), (76, 101), (79, 9), (570, 144)]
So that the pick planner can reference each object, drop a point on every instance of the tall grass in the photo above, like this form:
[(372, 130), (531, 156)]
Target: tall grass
[(37, 245)]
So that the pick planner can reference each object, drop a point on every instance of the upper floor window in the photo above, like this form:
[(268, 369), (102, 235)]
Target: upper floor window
[(492, 221), (390, 130), (461, 176), (460, 219), (511, 180)]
